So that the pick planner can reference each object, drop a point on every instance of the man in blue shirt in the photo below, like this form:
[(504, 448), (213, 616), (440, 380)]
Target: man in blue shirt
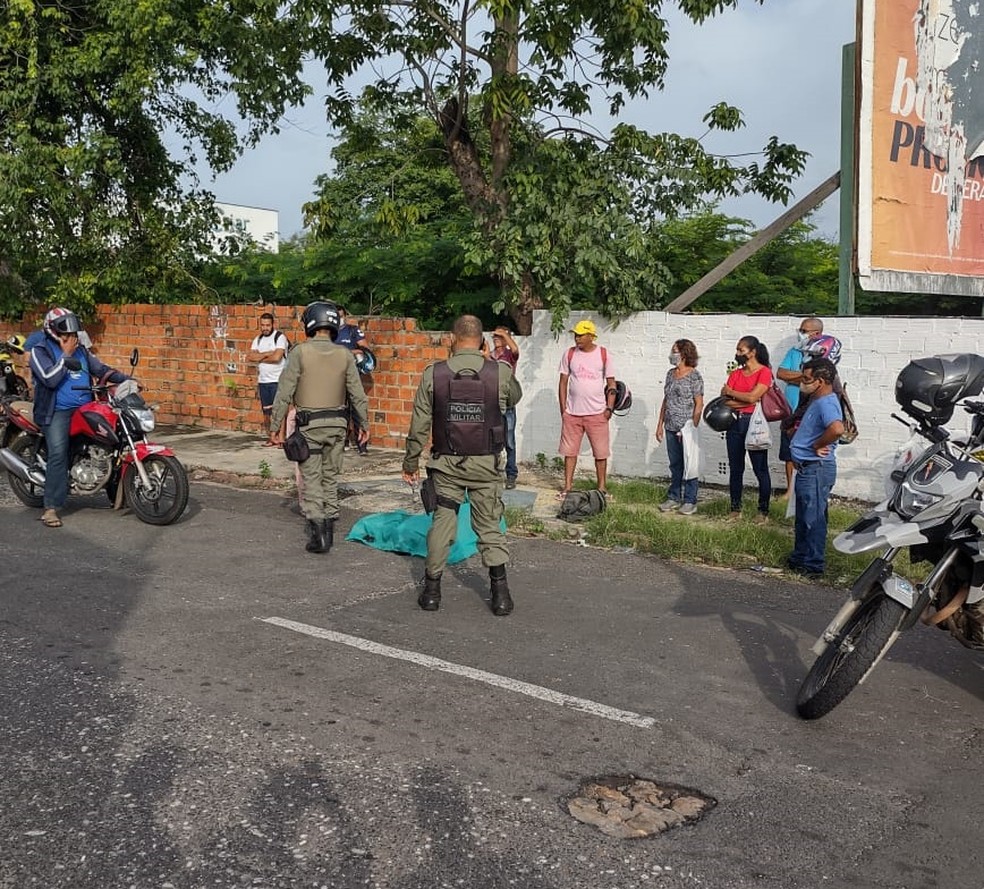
[(351, 336), (790, 372), (62, 370), (814, 448)]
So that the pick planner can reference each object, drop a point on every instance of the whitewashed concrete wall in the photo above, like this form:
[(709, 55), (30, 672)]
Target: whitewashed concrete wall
[(874, 350)]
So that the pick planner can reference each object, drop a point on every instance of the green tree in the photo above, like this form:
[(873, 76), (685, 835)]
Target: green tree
[(92, 204), (557, 207), (538, 70), (794, 273)]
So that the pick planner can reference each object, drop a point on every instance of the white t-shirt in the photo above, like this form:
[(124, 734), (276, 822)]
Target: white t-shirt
[(270, 373)]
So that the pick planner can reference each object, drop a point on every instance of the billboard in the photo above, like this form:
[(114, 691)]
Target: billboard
[(921, 146)]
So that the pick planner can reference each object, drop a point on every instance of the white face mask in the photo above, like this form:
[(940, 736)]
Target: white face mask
[(802, 338), (674, 358)]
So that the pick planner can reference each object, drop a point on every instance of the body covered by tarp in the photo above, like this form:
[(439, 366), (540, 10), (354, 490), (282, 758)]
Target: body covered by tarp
[(406, 532)]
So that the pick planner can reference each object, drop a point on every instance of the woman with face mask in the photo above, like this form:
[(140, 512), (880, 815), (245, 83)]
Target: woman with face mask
[(683, 403), (745, 387)]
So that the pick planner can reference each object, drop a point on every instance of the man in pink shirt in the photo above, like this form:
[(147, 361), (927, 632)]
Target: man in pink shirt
[(587, 396)]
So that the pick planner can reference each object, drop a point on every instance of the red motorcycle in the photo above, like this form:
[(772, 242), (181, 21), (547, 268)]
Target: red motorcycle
[(108, 450)]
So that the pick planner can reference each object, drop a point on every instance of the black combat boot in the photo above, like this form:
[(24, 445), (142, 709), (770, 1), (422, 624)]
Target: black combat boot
[(314, 536), (502, 603), (320, 536), (430, 596)]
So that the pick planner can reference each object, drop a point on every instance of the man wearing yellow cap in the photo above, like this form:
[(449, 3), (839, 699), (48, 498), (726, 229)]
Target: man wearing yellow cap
[(587, 397)]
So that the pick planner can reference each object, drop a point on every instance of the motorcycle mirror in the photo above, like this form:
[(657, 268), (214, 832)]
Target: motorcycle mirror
[(134, 357)]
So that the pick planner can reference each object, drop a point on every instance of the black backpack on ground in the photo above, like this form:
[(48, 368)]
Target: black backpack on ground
[(580, 505)]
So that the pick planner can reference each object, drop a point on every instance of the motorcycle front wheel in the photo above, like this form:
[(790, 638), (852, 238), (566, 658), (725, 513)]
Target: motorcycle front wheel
[(167, 497), (27, 492), (847, 658)]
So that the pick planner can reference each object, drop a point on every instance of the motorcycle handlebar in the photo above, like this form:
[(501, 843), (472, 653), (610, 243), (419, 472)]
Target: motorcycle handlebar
[(935, 434)]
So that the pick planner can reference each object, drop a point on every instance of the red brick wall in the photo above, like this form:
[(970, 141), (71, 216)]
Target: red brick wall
[(193, 362)]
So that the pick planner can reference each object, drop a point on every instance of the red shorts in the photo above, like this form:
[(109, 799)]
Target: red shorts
[(572, 432)]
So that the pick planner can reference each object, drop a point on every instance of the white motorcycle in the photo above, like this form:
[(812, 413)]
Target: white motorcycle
[(934, 510)]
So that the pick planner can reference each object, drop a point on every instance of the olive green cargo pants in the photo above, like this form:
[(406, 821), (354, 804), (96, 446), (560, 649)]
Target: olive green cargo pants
[(453, 479), (319, 499)]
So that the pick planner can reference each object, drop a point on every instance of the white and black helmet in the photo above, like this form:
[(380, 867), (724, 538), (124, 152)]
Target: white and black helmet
[(320, 316)]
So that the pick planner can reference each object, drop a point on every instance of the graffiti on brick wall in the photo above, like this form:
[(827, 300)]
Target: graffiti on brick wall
[(228, 358)]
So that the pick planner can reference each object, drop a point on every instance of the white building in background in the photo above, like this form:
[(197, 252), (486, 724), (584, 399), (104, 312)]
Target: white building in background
[(257, 223)]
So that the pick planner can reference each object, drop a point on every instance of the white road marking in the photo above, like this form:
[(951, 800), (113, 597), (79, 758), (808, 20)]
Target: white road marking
[(433, 663)]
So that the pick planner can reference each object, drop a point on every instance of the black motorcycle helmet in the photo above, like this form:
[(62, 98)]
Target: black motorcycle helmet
[(321, 316), (929, 388), (719, 416)]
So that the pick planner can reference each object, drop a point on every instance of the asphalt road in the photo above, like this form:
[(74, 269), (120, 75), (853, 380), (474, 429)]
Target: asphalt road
[(157, 731)]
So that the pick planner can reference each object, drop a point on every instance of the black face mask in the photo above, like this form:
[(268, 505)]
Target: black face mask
[(742, 360)]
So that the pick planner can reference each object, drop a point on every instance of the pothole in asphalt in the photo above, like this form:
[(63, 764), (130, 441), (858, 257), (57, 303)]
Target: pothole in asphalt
[(628, 808)]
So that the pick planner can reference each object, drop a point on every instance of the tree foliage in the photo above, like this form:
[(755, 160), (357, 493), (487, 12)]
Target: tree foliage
[(795, 273), (549, 196), (93, 204)]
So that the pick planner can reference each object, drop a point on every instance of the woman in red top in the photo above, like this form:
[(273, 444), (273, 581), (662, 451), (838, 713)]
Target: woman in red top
[(745, 387)]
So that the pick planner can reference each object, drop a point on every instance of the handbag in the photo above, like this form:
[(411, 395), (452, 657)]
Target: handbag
[(758, 437), (774, 404), (850, 432), (296, 448)]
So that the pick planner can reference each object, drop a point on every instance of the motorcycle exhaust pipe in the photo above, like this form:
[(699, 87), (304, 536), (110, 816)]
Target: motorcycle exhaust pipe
[(12, 463)]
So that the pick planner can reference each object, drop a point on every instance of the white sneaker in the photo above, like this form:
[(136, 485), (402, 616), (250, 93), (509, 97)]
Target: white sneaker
[(688, 509), (669, 505)]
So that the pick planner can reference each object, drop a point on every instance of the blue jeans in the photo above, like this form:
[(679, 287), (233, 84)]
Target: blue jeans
[(682, 490), (56, 474), (510, 417), (735, 440), (814, 481)]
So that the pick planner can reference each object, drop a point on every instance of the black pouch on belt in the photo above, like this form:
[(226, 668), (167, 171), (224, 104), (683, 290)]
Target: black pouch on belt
[(428, 495), (296, 448)]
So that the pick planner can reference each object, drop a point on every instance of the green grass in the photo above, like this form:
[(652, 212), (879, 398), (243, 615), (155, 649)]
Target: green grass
[(710, 538)]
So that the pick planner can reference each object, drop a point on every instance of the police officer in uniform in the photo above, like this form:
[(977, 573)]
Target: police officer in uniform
[(459, 406), (317, 378)]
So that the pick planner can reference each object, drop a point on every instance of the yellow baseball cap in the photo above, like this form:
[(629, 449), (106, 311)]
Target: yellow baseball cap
[(583, 327)]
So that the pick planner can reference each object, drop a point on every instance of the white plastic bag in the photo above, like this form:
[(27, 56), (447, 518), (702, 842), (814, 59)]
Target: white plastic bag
[(691, 450), (791, 498), (758, 437)]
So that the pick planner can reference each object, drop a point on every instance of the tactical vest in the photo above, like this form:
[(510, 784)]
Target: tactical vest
[(321, 383), (467, 421)]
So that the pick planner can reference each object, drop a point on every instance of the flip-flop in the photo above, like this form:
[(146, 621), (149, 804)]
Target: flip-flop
[(50, 520), (562, 495)]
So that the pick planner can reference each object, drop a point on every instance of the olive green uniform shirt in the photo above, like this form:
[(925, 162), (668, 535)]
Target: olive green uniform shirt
[(510, 392)]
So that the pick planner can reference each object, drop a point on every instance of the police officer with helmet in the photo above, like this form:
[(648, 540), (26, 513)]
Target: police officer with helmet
[(318, 376), (459, 407)]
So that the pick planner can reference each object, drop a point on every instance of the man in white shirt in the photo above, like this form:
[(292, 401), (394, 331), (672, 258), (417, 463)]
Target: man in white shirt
[(269, 351)]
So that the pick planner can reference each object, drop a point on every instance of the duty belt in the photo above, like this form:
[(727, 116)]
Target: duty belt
[(305, 416)]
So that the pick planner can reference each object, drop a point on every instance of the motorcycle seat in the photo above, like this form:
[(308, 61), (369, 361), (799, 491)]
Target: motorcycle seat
[(24, 408)]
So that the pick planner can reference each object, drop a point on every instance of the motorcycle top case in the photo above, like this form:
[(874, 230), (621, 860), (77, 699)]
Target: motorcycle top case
[(928, 389)]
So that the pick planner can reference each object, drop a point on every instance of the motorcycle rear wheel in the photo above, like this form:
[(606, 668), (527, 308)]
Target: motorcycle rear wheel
[(167, 497), (844, 662), (27, 492)]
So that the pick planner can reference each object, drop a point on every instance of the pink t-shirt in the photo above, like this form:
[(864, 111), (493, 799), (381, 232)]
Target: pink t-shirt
[(586, 386)]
